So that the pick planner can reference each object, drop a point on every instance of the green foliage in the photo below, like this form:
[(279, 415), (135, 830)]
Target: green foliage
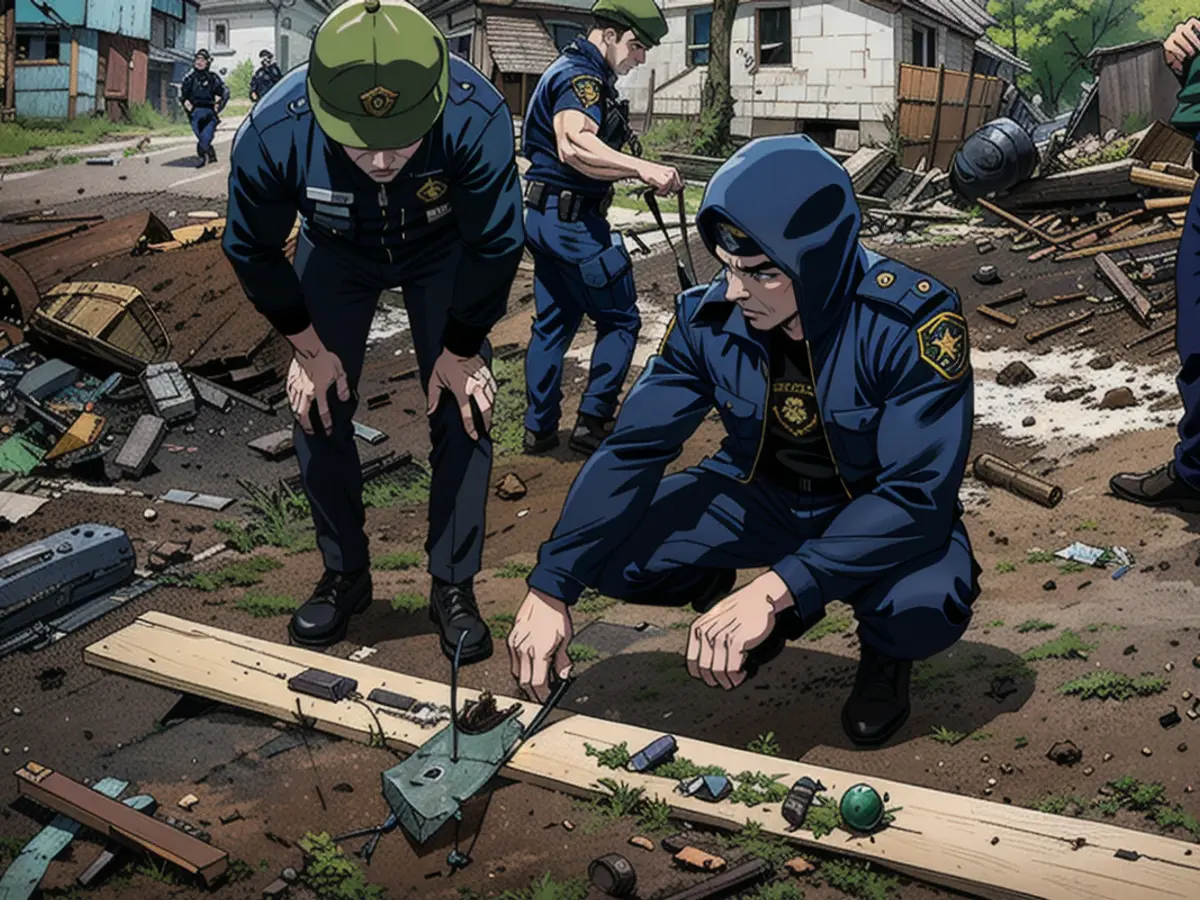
[(11, 847), (1060, 805), (331, 874), (764, 744), (27, 135), (611, 757), (581, 653), (1021, 743), (546, 888), (1004, 567), (162, 872), (238, 80), (1039, 556), (755, 841), (655, 816), (1035, 625), (1131, 794), (630, 197), (408, 487), (858, 879), (995, 623), (944, 735), (1071, 567), (1158, 18), (1103, 626), (245, 573), (1067, 645), (264, 606), (592, 602), (757, 788), (501, 625), (1092, 524), (508, 409), (279, 517), (671, 135), (777, 890), (712, 134), (681, 769), (400, 561), (515, 570), (410, 602), (239, 870), (979, 736), (827, 626), (1107, 685), (143, 115), (622, 799)]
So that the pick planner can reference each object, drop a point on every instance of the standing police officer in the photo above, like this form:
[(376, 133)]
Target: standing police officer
[(204, 95), (267, 76), (573, 135), (400, 160)]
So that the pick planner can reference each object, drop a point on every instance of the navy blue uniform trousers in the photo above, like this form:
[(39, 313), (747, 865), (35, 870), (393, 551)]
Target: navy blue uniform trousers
[(204, 125), (1187, 340), (700, 521), (579, 269), (341, 291)]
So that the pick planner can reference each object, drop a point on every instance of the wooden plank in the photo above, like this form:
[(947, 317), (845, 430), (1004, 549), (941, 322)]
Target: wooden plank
[(1106, 180), (1158, 238), (1137, 302), (1018, 222), (865, 165), (1161, 180), (1034, 336), (1170, 168), (119, 822), (931, 153), (996, 316), (1151, 335), (189, 234), (1162, 142), (938, 837)]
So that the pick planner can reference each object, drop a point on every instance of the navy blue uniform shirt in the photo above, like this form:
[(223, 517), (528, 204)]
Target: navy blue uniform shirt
[(264, 79), (579, 79), (203, 89), (461, 185)]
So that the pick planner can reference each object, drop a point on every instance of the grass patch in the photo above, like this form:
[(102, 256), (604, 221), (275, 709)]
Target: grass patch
[(1087, 525), (944, 735), (331, 874), (757, 788), (995, 623), (777, 890), (1107, 685), (981, 736), (858, 879), (610, 757), (279, 517), (162, 872), (655, 816), (11, 847), (1102, 627), (1151, 799), (245, 573), (408, 487), (1067, 645), (592, 602), (27, 135), (515, 570), (547, 888), (1021, 743), (264, 606), (754, 841), (1071, 567), (1004, 567), (581, 653), (1035, 625), (622, 800), (508, 409), (1117, 150), (501, 625), (764, 744), (410, 602), (671, 135), (1060, 805), (1039, 556), (630, 197), (827, 626), (400, 561)]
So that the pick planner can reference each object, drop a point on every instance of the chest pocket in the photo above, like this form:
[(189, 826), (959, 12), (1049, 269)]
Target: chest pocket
[(742, 417), (334, 217), (426, 199), (856, 434)]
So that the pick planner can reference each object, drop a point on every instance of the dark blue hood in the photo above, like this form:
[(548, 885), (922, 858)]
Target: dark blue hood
[(797, 203)]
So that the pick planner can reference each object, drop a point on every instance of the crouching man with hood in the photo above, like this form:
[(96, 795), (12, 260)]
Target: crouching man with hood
[(843, 383)]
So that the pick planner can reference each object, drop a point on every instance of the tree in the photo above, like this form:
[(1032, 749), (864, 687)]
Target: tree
[(716, 102)]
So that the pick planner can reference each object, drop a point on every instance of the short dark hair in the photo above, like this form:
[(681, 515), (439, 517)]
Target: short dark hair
[(600, 23)]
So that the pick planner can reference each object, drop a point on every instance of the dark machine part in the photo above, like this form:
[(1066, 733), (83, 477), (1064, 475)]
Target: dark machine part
[(727, 882), (657, 751), (615, 130), (322, 684), (613, 874), (401, 702), (996, 157), (799, 799)]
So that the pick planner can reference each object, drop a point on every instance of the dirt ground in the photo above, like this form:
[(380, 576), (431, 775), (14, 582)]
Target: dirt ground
[(984, 716)]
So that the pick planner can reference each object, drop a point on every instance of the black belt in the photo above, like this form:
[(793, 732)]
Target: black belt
[(571, 204), (809, 487)]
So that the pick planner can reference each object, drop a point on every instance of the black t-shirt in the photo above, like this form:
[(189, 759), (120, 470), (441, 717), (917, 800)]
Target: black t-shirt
[(795, 447)]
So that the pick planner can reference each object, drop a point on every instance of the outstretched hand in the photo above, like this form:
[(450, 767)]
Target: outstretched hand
[(467, 378)]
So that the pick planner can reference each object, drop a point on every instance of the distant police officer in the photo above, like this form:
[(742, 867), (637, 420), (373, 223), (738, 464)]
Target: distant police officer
[(573, 134), (267, 76), (204, 95), (400, 160)]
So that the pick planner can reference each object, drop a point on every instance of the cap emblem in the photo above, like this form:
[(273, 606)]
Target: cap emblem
[(378, 101)]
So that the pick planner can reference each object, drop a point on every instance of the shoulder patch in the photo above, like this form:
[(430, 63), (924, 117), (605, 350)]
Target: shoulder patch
[(587, 89), (942, 341), (899, 286)]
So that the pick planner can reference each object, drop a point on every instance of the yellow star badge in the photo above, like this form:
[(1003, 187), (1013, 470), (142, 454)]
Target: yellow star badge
[(943, 344)]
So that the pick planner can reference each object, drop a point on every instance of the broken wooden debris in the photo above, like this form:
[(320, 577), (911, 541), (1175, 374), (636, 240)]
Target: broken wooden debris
[(276, 445), (120, 823), (1137, 302), (1000, 473), (1059, 300), (1034, 336), (1018, 222), (1161, 180), (997, 316), (139, 448), (695, 858), (1167, 328), (726, 883), (1128, 244), (169, 391), (1010, 297)]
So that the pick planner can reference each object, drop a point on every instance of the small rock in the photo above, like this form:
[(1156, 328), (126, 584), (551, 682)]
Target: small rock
[(1056, 394), (1196, 662), (568, 825), (16, 710), (1088, 770), (983, 245), (6, 751), (798, 866), (1187, 695), (644, 842), (1065, 753), (1164, 566), (1146, 751), (150, 515), (987, 792), (1182, 748), (1049, 586), (344, 788), (1103, 361), (1007, 769), (1118, 398), (1014, 374), (277, 888), (510, 487), (992, 782), (1029, 421), (522, 514), (1169, 667), (995, 841), (188, 802), (1107, 757), (985, 758), (289, 875)]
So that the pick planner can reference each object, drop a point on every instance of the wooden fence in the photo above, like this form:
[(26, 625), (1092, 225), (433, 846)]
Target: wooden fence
[(939, 107)]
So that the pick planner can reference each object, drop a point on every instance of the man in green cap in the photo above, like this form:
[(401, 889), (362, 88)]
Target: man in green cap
[(573, 135), (399, 159)]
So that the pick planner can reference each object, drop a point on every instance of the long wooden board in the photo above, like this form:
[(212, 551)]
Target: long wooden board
[(983, 848)]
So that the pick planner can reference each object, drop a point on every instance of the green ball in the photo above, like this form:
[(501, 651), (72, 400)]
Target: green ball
[(862, 808)]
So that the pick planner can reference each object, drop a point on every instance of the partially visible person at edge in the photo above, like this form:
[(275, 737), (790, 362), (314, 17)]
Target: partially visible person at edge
[(843, 382), (203, 95), (1176, 482), (573, 135), (265, 77), (400, 161)]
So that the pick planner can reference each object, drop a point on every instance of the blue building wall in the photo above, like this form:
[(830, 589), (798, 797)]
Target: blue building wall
[(73, 12), (41, 91), (130, 18), (89, 58), (169, 7)]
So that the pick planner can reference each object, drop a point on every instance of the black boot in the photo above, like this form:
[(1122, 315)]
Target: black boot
[(452, 608), (536, 443), (322, 621), (212, 154), (588, 434), (879, 705), (203, 160), (1158, 487)]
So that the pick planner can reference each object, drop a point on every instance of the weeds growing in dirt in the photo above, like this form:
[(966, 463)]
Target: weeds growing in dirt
[(764, 744), (944, 735), (408, 487), (1004, 567), (501, 625), (858, 879), (400, 561), (409, 602), (592, 602), (1087, 525), (1071, 567), (582, 653), (1035, 625), (264, 606), (1039, 556), (1106, 685), (997, 623), (981, 736), (655, 816), (610, 757), (757, 788), (1103, 626), (245, 573), (546, 888), (10, 847), (755, 841), (508, 409), (331, 874), (622, 799), (515, 570), (1136, 796), (279, 517), (1067, 645), (1060, 805), (777, 890), (239, 870), (827, 626), (1021, 743), (162, 872)]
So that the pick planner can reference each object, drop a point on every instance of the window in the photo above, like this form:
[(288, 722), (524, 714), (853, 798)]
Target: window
[(924, 46), (461, 45), (699, 29), (174, 30), (220, 35), (775, 37), (38, 46), (562, 33)]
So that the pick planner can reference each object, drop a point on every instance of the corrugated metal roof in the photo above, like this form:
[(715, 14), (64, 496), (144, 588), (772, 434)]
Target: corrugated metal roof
[(966, 15), (519, 44), (983, 45)]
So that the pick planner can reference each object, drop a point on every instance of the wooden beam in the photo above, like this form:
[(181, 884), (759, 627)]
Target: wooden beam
[(1159, 238), (996, 316), (1151, 335), (73, 77), (1161, 180), (982, 848), (1137, 302), (1168, 203), (1034, 336), (931, 153), (1018, 222)]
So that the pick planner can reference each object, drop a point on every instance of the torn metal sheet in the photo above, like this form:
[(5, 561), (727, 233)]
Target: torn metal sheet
[(203, 501), (711, 788), (1084, 554), (15, 507), (371, 435)]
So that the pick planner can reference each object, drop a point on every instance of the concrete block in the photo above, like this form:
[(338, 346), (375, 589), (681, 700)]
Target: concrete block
[(818, 76), (881, 45), (850, 93), (807, 26), (858, 60), (848, 111), (792, 93), (873, 131), (812, 111), (847, 78), (845, 139), (839, 20), (141, 445), (884, 95), (881, 73)]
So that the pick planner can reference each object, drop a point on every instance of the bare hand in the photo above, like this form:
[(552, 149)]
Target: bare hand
[(663, 179), (309, 380), (1182, 45), (467, 377), (541, 634), (187, 105), (720, 640)]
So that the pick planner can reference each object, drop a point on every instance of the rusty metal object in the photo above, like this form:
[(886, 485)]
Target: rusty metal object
[(18, 298), (61, 260), (1000, 473), (28, 242), (109, 322)]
